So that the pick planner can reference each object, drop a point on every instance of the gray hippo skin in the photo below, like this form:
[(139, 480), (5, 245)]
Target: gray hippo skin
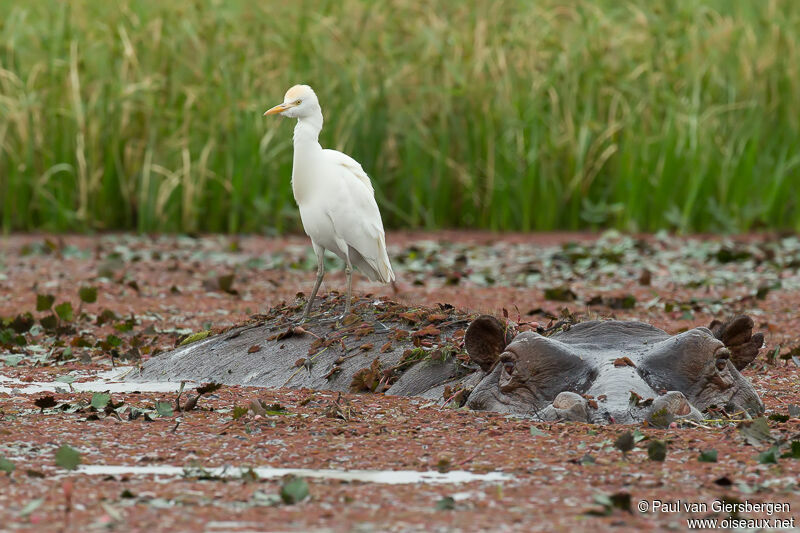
[(614, 372), (601, 372)]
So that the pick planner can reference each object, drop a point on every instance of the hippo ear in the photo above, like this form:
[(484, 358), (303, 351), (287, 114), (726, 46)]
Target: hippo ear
[(737, 335), (485, 340)]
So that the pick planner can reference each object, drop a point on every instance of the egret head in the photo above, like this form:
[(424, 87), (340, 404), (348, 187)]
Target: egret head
[(300, 101)]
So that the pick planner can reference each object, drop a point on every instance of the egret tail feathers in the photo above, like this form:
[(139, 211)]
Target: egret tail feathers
[(379, 269)]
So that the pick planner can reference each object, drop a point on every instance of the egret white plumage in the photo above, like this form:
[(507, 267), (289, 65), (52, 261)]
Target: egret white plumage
[(335, 197)]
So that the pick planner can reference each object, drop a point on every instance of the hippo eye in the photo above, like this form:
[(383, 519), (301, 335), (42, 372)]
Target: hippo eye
[(509, 366)]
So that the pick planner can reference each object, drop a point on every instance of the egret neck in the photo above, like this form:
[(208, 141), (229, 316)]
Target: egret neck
[(306, 151)]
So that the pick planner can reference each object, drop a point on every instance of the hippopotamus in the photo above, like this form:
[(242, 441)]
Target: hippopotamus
[(614, 371), (601, 372)]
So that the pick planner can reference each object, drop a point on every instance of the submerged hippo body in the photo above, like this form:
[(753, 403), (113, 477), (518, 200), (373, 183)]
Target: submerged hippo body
[(611, 372), (600, 372)]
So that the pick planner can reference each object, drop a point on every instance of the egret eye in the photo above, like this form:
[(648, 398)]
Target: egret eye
[(297, 102)]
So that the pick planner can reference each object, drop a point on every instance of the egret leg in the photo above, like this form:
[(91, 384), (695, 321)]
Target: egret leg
[(348, 271), (320, 251)]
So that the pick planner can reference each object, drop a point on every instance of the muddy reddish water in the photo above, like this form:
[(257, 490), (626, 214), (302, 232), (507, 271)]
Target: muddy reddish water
[(562, 474)]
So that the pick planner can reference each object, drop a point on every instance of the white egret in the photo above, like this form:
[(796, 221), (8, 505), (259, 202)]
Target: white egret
[(335, 196)]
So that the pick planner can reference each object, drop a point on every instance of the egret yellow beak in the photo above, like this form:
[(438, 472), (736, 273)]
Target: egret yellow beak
[(280, 108)]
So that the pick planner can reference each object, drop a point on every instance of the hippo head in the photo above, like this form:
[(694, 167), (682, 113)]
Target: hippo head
[(613, 371)]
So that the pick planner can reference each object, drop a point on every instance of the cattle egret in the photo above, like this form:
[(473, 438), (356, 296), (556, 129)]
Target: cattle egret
[(335, 196)]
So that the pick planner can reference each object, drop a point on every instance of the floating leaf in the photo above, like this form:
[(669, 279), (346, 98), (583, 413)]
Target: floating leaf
[(6, 465), (560, 294), (446, 504), (31, 506), (294, 490), (49, 322), (768, 457), (45, 402), (794, 452), (12, 360), (66, 379), (22, 323), (194, 337), (100, 400), (44, 301), (536, 432), (657, 450), (619, 500), (624, 442), (708, 456), (225, 283), (65, 312), (68, 458), (88, 294), (755, 431), (164, 408)]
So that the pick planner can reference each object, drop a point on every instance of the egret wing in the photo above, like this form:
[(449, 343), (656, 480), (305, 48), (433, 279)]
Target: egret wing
[(338, 158), (357, 220)]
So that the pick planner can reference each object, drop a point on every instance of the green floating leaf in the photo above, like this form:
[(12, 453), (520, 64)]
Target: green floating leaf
[(657, 450), (49, 322), (768, 457), (31, 507), (22, 323), (624, 442), (6, 465), (560, 294), (587, 459), (708, 456), (88, 294), (446, 504), (194, 337), (294, 490), (756, 431), (536, 432), (164, 409), (794, 451), (114, 341), (44, 301), (239, 412), (100, 400), (65, 379), (68, 457), (65, 312), (12, 360), (226, 283)]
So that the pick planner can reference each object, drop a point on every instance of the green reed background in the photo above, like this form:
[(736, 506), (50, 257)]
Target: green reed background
[(508, 115)]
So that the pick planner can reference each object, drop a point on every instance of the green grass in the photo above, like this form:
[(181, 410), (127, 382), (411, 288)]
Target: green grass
[(507, 115)]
